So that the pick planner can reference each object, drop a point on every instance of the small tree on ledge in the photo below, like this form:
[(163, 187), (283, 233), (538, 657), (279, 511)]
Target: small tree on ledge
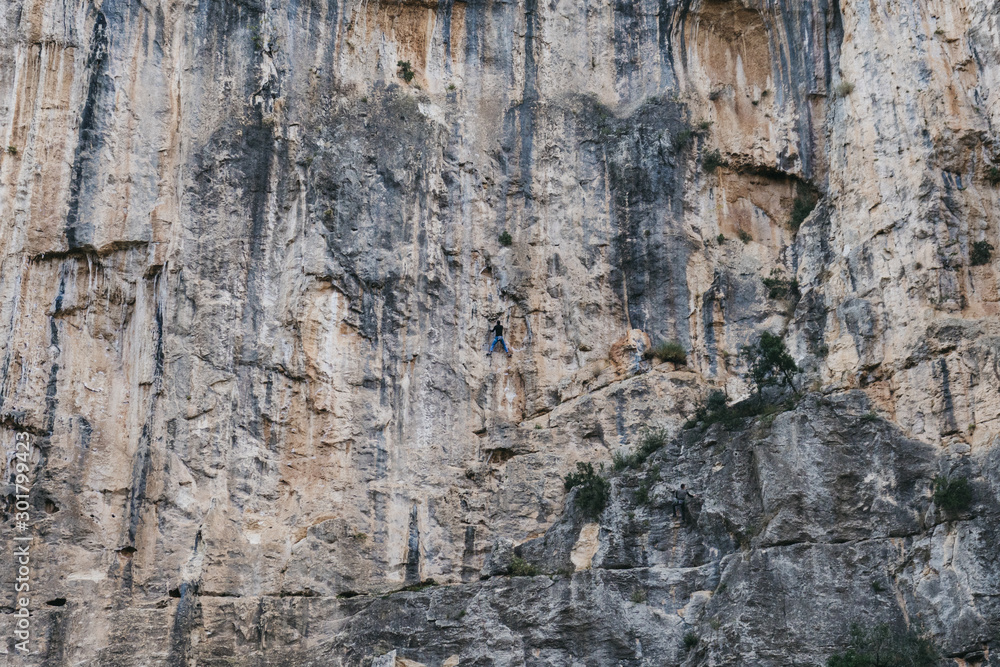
[(769, 364)]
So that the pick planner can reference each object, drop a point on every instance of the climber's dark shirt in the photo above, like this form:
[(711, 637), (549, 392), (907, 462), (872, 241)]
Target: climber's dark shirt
[(498, 330)]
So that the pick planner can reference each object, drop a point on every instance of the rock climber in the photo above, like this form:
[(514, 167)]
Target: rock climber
[(498, 338), (681, 496)]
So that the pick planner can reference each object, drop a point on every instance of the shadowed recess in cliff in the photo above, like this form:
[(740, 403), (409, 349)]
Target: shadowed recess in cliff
[(255, 169), (645, 166), (526, 112), (809, 41), (446, 13), (256, 154), (634, 24), (99, 102), (143, 459), (754, 50), (114, 25), (413, 549), (186, 617)]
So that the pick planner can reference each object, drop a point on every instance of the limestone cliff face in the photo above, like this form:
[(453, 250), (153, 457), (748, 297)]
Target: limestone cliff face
[(248, 273)]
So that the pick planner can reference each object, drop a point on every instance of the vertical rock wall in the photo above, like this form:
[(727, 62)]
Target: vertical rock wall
[(248, 270)]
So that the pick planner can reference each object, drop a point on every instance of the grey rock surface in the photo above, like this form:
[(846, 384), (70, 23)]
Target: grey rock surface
[(500, 559), (758, 575)]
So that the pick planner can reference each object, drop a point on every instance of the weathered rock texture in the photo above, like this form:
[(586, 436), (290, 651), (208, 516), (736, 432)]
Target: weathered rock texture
[(248, 273)]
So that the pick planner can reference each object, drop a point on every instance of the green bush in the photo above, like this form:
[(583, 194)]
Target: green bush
[(690, 640), (716, 401), (844, 88), (881, 646), (714, 406), (416, 588), (713, 160), (651, 440), (667, 351), (993, 175), (683, 138), (642, 494), (521, 568), (768, 363), (726, 415), (715, 410), (505, 238), (744, 236), (720, 239), (952, 495), (805, 201), (592, 497), (982, 253), (779, 287), (12, 150), (405, 70), (638, 596), (622, 460)]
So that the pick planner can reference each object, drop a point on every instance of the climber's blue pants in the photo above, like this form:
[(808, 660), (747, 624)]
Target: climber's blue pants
[(498, 339)]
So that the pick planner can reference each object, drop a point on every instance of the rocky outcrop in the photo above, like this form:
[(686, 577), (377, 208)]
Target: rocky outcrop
[(803, 522), (251, 252)]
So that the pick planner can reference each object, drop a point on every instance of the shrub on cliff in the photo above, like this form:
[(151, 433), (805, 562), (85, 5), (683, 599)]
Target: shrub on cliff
[(622, 460), (592, 497), (667, 350), (716, 401), (952, 494), (417, 587), (843, 89), (778, 287), (642, 494), (993, 175), (716, 409), (982, 253), (521, 568), (769, 364), (650, 441), (881, 646), (805, 201), (405, 70), (713, 160), (683, 138)]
